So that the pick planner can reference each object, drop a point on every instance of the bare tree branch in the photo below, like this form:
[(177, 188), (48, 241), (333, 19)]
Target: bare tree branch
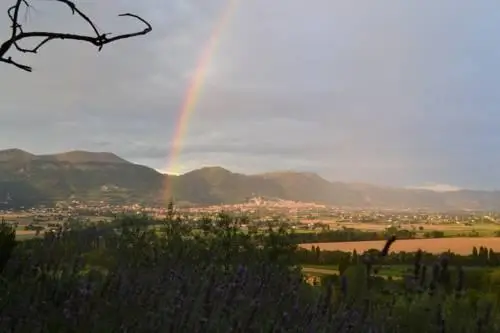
[(18, 65), (17, 33)]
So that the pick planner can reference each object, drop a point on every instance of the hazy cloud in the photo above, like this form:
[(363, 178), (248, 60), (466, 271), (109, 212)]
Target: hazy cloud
[(388, 92), (437, 187)]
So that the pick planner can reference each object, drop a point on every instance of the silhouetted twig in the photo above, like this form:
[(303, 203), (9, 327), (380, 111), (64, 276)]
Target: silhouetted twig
[(17, 33)]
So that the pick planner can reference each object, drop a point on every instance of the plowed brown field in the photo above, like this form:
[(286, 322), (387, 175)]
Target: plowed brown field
[(462, 245)]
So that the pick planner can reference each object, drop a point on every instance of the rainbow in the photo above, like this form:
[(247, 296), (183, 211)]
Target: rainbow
[(194, 91)]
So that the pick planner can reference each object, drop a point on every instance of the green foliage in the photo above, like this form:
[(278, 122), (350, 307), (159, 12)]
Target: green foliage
[(344, 264), (126, 276), (7, 243)]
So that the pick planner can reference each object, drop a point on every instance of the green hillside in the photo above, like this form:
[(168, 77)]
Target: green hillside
[(27, 179)]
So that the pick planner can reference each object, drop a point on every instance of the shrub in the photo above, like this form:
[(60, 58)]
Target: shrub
[(7, 243), (127, 277)]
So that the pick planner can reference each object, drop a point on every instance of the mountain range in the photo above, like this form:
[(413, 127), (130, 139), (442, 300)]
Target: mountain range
[(27, 179)]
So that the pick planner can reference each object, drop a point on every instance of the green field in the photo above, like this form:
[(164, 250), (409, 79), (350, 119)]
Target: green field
[(386, 271), (382, 270)]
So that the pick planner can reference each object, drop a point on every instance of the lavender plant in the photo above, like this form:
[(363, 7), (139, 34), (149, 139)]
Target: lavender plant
[(126, 277)]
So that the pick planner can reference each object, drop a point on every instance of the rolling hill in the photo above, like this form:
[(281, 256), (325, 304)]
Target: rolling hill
[(27, 179), (43, 179)]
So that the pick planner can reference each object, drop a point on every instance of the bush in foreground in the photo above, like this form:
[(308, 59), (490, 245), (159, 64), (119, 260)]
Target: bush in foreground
[(126, 277)]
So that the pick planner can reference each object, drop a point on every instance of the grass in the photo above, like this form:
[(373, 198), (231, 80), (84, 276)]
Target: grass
[(449, 229), (21, 237), (304, 231), (320, 270), (382, 271), (395, 272)]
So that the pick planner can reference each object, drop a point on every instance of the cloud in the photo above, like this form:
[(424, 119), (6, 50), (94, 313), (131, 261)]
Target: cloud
[(436, 187), (387, 92)]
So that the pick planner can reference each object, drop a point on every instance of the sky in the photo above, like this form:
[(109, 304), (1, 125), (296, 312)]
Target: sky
[(400, 93)]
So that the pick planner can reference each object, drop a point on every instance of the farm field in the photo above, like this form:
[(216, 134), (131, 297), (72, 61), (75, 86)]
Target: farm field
[(317, 271), (462, 245), (386, 271), (420, 229), (449, 229), (25, 219), (25, 236)]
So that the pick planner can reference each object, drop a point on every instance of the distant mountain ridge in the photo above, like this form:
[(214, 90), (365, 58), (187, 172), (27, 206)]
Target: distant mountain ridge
[(30, 179), (74, 156)]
